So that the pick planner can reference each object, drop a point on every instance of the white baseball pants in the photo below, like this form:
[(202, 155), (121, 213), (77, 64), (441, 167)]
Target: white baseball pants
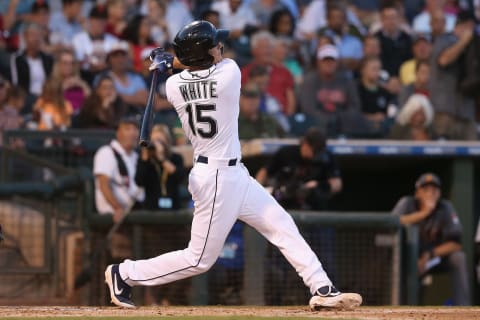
[(223, 194)]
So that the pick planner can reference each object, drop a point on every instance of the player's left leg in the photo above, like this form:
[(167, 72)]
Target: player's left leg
[(263, 212)]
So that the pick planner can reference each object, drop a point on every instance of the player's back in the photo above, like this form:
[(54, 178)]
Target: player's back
[(207, 103)]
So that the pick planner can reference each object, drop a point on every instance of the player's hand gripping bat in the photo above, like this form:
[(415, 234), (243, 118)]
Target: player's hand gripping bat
[(161, 62)]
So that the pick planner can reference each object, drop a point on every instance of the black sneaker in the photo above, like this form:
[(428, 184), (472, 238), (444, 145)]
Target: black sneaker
[(120, 292), (330, 297)]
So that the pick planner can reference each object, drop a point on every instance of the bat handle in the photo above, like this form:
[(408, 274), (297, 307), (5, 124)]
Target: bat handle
[(148, 114)]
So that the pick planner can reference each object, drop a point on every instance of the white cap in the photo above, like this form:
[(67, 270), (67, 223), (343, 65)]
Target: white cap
[(119, 46), (327, 51)]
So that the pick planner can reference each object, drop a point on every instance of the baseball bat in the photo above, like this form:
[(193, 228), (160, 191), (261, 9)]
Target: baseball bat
[(147, 121)]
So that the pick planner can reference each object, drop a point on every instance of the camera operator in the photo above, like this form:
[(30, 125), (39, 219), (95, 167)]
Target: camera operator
[(160, 172), (304, 176)]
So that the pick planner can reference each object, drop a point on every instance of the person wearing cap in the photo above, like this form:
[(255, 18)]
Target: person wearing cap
[(326, 95), (114, 167), (440, 234), (129, 85), (422, 49), (251, 122), (92, 45)]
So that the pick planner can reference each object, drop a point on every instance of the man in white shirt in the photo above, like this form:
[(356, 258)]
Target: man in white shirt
[(114, 169)]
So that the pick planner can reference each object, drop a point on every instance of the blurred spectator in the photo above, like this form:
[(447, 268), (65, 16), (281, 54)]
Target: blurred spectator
[(158, 27), (116, 17), (281, 83), (374, 99), (40, 15), (437, 24), (67, 72), (92, 45), (403, 23), (414, 121), (53, 110), (129, 85), (239, 18), (137, 33), (211, 16), (283, 54), (313, 18), (421, 23), (396, 45), (9, 21), (160, 172), (260, 76), (349, 46), (325, 95), (371, 46), (440, 234), (114, 167), (251, 122), (177, 14), (64, 25), (103, 109), (9, 117), (263, 10), (454, 112), (304, 175), (420, 85), (282, 23), (422, 49), (31, 67)]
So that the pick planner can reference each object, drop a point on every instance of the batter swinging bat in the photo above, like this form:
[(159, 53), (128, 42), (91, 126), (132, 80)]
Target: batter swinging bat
[(148, 114)]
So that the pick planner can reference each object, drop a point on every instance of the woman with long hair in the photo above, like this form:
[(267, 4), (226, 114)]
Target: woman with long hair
[(67, 72), (54, 112), (137, 33), (103, 108)]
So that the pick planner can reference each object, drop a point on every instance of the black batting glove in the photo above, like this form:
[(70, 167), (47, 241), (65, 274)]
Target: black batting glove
[(161, 60)]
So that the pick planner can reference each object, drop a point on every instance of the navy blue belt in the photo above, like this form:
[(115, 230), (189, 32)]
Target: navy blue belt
[(203, 159)]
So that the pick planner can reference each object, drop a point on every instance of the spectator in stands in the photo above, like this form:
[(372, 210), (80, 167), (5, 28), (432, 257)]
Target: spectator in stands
[(282, 23), (284, 55), (54, 112), (67, 72), (422, 24), (422, 49), (103, 109), (371, 46), (92, 45), (9, 117), (403, 23), (31, 67), (396, 44), (304, 176), (40, 15), (312, 19), (116, 17), (349, 46), (420, 86), (160, 172), (327, 96), (374, 99), (264, 10), (64, 25), (137, 33), (261, 77), (454, 112), (440, 234), (238, 17), (281, 83), (252, 123), (212, 16), (129, 85), (414, 121), (437, 24), (157, 20), (114, 167)]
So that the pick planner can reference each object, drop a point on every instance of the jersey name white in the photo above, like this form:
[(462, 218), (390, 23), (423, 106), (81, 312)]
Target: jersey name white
[(207, 103)]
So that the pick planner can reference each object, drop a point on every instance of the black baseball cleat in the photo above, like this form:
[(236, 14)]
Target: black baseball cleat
[(330, 297), (120, 292)]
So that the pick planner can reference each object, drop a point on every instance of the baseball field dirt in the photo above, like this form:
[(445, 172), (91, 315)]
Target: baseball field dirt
[(240, 312)]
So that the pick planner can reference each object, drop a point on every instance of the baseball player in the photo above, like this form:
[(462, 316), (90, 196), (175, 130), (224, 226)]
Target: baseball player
[(206, 98)]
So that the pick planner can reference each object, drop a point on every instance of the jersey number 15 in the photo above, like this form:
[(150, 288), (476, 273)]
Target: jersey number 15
[(196, 116)]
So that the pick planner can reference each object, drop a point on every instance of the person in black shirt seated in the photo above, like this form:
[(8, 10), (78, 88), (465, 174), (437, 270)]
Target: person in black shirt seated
[(160, 172), (374, 98)]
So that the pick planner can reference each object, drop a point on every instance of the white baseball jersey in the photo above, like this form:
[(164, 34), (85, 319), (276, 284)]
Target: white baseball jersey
[(207, 103)]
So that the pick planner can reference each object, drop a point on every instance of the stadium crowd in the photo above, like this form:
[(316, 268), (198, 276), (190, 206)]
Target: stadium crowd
[(356, 69)]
